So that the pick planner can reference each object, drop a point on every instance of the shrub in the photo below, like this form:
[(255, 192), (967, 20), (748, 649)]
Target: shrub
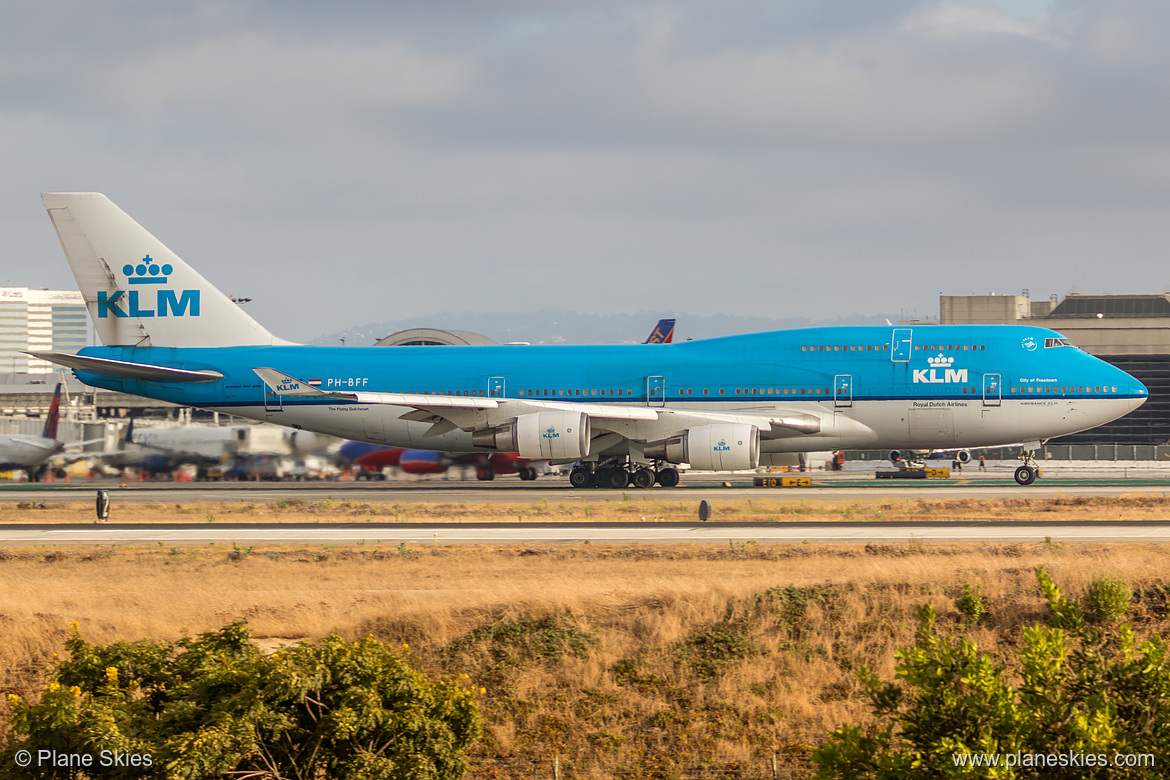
[(215, 707), (1107, 599), (1072, 693), (972, 603)]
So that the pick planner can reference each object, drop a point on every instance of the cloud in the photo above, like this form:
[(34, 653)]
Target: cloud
[(956, 20), (752, 156), (253, 69), (855, 90)]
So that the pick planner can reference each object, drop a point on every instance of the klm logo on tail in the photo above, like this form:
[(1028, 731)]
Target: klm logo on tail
[(139, 303), (943, 364)]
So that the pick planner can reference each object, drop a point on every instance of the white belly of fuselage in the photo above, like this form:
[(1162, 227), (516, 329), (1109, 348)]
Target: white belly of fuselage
[(861, 425)]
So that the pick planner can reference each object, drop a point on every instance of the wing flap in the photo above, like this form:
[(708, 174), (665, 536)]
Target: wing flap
[(595, 411)]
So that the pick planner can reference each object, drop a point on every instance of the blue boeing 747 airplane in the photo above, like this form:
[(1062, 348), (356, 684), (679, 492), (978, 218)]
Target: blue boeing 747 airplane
[(626, 413)]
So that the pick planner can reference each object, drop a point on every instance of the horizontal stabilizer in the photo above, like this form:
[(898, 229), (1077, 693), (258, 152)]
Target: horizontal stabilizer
[(124, 370)]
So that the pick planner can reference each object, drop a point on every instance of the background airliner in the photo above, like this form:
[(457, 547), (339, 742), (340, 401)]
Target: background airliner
[(628, 413), (236, 449), (31, 454)]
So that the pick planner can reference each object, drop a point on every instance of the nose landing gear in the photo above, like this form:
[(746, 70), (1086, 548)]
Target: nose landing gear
[(1026, 474)]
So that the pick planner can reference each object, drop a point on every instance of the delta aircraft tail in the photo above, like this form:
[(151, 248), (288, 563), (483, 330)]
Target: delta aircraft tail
[(50, 431), (139, 292)]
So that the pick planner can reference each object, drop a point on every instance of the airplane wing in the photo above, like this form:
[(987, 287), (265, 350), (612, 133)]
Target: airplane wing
[(447, 412), (448, 406), (285, 385)]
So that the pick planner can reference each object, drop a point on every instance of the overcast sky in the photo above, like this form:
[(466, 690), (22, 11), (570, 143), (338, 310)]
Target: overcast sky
[(350, 162)]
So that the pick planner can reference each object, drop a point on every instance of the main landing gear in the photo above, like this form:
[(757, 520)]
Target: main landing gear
[(1026, 474), (617, 476)]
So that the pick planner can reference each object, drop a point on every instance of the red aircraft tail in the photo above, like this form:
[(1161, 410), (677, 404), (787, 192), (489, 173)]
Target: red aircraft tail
[(50, 431)]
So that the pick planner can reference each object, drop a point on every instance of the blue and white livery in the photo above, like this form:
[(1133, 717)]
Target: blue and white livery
[(628, 413)]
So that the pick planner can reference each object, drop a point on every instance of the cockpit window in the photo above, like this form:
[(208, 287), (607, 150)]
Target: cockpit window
[(1050, 343)]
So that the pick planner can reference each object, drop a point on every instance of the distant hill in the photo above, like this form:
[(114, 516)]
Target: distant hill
[(560, 327)]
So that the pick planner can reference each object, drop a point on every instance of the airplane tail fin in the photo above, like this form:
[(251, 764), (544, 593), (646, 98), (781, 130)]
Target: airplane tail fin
[(50, 431), (139, 292), (663, 333)]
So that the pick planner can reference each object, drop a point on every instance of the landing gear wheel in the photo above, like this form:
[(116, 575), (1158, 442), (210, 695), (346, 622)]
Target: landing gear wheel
[(1025, 475), (643, 478), (485, 475), (527, 473), (580, 477), (668, 477), (618, 478)]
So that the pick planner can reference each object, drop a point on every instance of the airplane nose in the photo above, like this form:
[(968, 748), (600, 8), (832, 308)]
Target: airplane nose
[(1140, 394), (1136, 392)]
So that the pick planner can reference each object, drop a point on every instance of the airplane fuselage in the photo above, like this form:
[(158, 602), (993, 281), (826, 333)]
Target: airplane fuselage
[(26, 452), (926, 387)]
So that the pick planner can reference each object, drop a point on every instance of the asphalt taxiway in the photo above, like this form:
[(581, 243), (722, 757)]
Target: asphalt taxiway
[(570, 533), (824, 488)]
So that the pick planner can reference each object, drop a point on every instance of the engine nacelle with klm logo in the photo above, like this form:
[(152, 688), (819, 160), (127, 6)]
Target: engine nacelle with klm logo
[(540, 436), (721, 447)]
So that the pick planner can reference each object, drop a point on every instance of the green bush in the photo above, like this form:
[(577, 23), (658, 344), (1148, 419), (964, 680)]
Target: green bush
[(1072, 692), (972, 603), (216, 707), (1107, 599)]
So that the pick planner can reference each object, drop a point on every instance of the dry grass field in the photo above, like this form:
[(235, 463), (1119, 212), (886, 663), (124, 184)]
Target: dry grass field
[(610, 656)]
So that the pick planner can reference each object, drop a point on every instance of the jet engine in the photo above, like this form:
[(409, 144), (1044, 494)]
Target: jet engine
[(540, 436), (721, 447)]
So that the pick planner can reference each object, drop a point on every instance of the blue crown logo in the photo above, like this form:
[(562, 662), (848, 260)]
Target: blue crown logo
[(147, 272)]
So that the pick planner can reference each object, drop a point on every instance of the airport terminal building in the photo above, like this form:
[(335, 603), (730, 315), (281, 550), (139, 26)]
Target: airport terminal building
[(39, 320), (1130, 331)]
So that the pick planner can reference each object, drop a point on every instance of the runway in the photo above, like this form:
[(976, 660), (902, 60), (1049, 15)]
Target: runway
[(839, 487), (825, 487), (580, 533)]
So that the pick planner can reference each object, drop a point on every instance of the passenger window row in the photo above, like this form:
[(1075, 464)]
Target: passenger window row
[(885, 347), (845, 348), (949, 347), (585, 392), (1051, 389)]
